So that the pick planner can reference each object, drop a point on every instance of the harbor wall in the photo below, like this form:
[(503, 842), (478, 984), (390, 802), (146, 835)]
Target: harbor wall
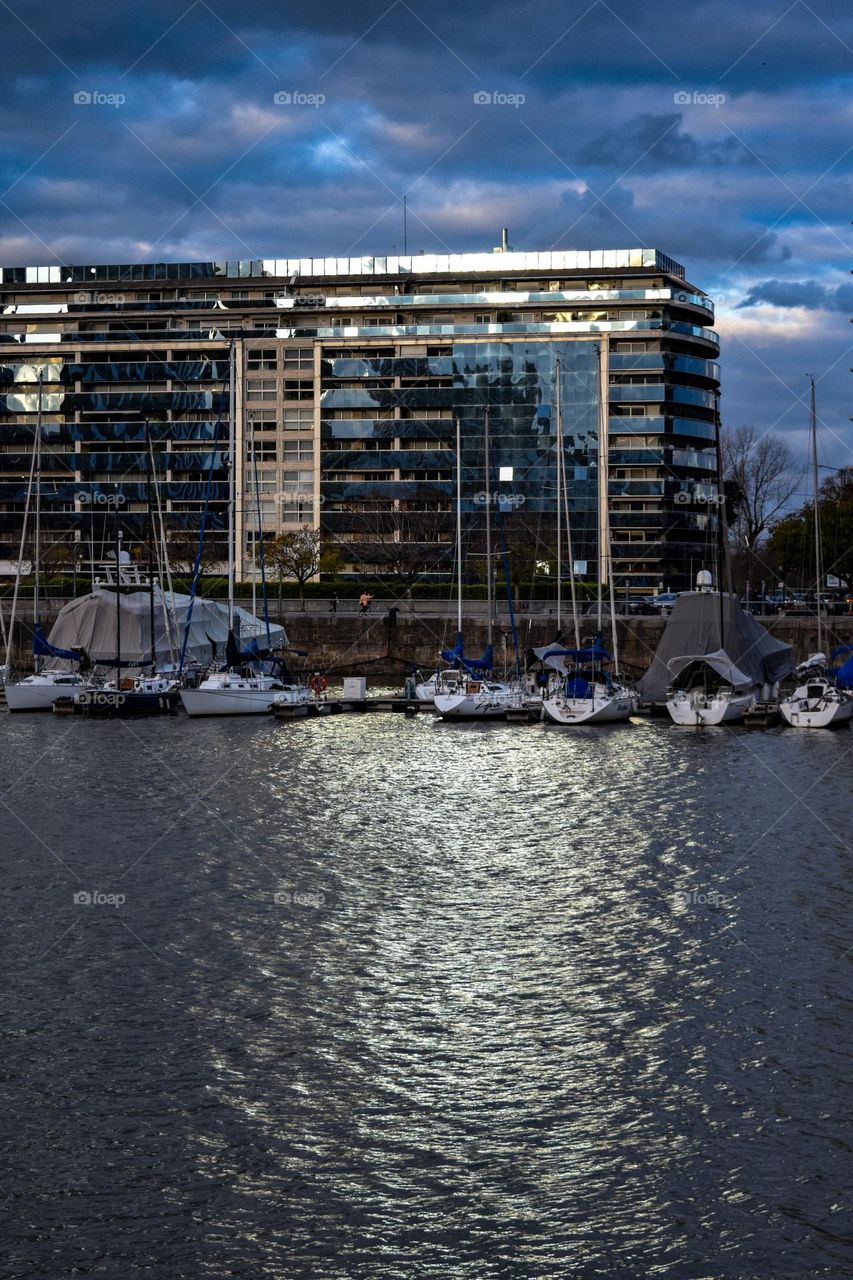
[(376, 645), (371, 646)]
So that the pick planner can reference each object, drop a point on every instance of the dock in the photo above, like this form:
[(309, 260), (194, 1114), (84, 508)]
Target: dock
[(409, 707)]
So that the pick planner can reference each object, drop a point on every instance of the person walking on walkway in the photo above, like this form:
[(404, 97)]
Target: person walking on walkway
[(365, 600)]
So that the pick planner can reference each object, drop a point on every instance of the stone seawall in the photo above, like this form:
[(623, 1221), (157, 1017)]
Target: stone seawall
[(349, 644), (369, 645)]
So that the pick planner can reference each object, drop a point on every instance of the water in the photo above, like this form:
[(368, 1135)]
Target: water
[(530, 1003)]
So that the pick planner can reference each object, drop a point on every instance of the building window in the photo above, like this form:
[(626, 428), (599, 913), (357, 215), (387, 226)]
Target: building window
[(298, 358), (261, 389), (262, 358), (298, 390), (298, 419), (298, 451), (264, 451)]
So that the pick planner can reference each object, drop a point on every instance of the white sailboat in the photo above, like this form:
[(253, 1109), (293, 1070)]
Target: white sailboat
[(475, 694), (816, 702), (708, 689), (37, 692), (585, 691)]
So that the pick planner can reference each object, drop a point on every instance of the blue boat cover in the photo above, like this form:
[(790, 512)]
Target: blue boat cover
[(454, 655), (480, 664), (43, 649)]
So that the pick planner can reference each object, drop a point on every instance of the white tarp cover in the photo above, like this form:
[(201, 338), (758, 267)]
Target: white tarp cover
[(89, 623), (693, 628)]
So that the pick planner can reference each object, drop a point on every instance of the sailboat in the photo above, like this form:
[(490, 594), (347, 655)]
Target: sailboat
[(816, 702), (242, 687), (41, 690), (585, 691), (708, 689), (477, 695)]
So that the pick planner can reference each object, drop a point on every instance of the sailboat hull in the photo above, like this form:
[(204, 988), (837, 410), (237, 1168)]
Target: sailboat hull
[(228, 701), (596, 710), (697, 710), (825, 712), (120, 704), (36, 693), (480, 704)]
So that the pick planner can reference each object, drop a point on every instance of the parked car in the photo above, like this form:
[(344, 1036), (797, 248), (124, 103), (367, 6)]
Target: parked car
[(663, 603)]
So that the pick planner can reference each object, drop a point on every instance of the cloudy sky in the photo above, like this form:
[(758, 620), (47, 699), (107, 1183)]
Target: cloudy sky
[(718, 132)]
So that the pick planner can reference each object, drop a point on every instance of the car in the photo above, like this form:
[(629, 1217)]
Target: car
[(663, 603)]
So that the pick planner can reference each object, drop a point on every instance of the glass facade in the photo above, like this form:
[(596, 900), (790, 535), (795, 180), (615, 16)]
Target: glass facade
[(351, 374)]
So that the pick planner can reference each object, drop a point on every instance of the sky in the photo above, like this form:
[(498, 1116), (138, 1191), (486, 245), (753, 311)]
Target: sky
[(719, 133)]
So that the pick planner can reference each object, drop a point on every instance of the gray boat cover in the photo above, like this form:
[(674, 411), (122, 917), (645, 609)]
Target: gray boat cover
[(720, 662), (89, 622), (693, 629)]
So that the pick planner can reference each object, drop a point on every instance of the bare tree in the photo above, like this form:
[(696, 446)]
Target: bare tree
[(296, 554), (761, 477)]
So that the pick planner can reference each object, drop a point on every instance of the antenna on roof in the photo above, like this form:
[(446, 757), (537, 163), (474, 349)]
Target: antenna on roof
[(405, 238)]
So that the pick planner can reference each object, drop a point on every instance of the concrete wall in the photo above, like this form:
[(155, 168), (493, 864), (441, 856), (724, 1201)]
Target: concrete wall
[(351, 644)]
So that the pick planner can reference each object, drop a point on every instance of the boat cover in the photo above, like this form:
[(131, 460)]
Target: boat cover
[(693, 628), (554, 656), (719, 662), (89, 623)]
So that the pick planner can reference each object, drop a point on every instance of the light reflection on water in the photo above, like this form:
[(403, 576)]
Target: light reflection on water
[(540, 1003)]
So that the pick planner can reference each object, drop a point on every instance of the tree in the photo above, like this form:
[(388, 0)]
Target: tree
[(790, 547), (402, 539), (183, 549), (296, 554), (761, 479)]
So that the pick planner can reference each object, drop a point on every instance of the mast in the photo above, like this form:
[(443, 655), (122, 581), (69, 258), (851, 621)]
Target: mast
[(458, 528), (148, 478), (37, 552), (254, 462), (817, 547), (603, 496), (21, 549), (564, 498), (258, 554), (559, 499), (118, 593), (232, 473), (488, 528), (721, 538)]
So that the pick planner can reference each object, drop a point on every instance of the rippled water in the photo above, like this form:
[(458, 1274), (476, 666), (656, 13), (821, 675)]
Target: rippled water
[(394, 999)]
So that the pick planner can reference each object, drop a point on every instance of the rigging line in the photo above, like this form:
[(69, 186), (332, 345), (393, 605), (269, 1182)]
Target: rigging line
[(14, 610), (170, 621), (260, 539), (197, 566)]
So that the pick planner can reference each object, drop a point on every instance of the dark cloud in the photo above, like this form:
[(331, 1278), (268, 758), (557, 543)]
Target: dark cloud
[(611, 139), (800, 293), (659, 142)]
